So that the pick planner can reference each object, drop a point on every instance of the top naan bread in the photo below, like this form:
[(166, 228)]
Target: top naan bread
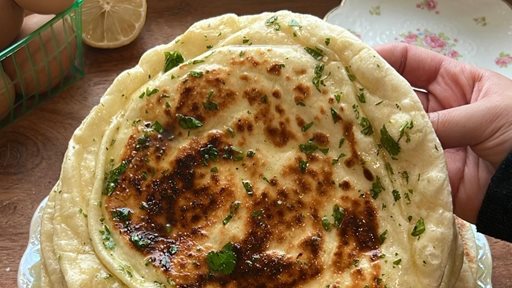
[(272, 150)]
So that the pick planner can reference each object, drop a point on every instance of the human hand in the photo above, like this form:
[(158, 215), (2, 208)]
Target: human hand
[(471, 112)]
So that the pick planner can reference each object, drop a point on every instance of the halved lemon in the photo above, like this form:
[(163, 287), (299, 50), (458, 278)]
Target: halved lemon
[(112, 23)]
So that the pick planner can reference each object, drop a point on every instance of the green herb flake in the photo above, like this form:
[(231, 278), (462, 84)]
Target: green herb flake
[(309, 147), (196, 74), (113, 176), (389, 169), (335, 161), (233, 153), (361, 96), (172, 59), (214, 169), (307, 126), (209, 46), (223, 261), (209, 153), (188, 122), (316, 53), (233, 208), (396, 195), (338, 214), (303, 165), (248, 187), (139, 240), (383, 236), (335, 116), (350, 75), (397, 261), (378, 103), (198, 61), (355, 108), (294, 23), (157, 127), (251, 153), (405, 176), (209, 104), (326, 224), (317, 79), (403, 131), (337, 96), (388, 142), (377, 188), (327, 41), (174, 249), (340, 143), (257, 213), (106, 237), (122, 214), (272, 22), (366, 126), (419, 228)]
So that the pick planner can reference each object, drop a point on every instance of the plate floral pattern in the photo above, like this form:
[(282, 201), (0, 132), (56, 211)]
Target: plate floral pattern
[(478, 32)]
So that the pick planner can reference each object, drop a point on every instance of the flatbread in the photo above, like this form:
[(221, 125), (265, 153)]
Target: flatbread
[(256, 115)]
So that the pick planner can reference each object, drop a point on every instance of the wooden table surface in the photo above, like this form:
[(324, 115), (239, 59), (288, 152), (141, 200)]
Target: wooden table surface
[(31, 149)]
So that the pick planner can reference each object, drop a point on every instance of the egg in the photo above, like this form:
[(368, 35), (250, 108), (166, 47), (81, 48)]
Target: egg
[(6, 94), (44, 61), (11, 17), (45, 6)]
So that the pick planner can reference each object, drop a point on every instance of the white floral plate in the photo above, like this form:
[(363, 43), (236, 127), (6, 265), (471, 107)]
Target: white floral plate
[(28, 271), (478, 32)]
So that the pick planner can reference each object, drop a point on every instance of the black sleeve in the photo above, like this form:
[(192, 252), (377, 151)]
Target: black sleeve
[(495, 216)]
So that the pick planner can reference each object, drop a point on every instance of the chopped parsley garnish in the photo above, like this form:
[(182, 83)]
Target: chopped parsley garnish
[(196, 74), (396, 195), (112, 178), (342, 140), (303, 165), (246, 40), (397, 261), (327, 41), (361, 96), (139, 240), (326, 224), (223, 261), (389, 169), (174, 249), (335, 161), (355, 108), (307, 126), (209, 104), (188, 122), (157, 127), (310, 147), (251, 153), (214, 169), (197, 61), (317, 80), (335, 116), (122, 214), (209, 153), (233, 153), (419, 228), (383, 236), (209, 46), (148, 92), (272, 22), (388, 142), (233, 208), (377, 188), (338, 214), (316, 52), (106, 238), (403, 131), (350, 75), (366, 126), (248, 187), (337, 96), (405, 176), (294, 23), (172, 59)]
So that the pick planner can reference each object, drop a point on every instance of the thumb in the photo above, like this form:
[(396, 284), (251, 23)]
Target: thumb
[(460, 126)]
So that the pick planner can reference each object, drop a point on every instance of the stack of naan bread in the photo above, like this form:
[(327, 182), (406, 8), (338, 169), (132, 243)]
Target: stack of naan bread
[(272, 150)]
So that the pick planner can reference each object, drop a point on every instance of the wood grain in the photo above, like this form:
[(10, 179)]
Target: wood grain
[(32, 148)]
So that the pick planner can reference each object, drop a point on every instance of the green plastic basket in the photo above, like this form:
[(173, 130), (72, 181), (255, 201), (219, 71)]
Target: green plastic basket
[(37, 69)]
